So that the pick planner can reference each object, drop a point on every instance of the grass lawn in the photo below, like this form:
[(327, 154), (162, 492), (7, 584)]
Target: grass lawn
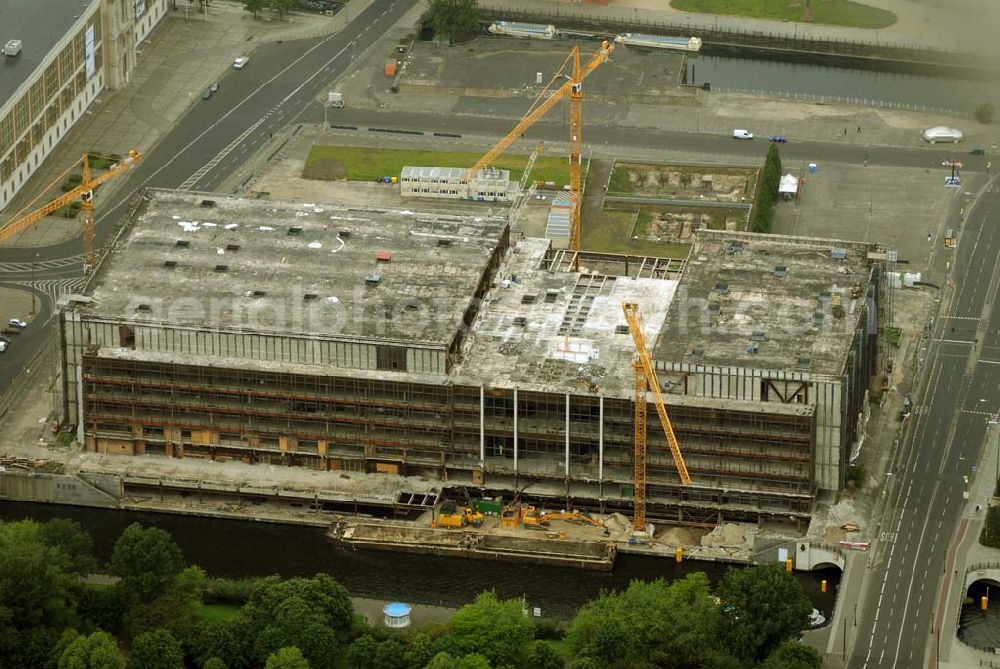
[(209, 612), (609, 232), (830, 12), (365, 164)]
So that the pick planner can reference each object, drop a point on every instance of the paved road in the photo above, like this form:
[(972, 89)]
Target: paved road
[(959, 392), (645, 138), (280, 82)]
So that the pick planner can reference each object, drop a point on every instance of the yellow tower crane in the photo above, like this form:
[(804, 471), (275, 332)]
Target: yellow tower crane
[(645, 380), (85, 191), (573, 87)]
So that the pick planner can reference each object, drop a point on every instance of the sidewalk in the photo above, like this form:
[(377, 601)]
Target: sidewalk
[(183, 56), (918, 26)]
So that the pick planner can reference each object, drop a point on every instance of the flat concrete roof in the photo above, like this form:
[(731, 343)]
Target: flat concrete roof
[(296, 267), (39, 24), (767, 301), (560, 331)]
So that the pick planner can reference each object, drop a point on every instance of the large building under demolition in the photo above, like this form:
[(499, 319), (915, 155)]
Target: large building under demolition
[(435, 345)]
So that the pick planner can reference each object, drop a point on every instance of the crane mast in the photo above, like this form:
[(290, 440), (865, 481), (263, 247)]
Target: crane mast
[(646, 380), (573, 88), (84, 191)]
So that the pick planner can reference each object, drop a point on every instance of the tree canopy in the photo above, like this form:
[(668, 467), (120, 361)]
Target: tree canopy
[(96, 651), (147, 560), (287, 658), (763, 606), (497, 629), (157, 650), (452, 19)]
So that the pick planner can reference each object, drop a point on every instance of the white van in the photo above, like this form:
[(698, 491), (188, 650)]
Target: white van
[(739, 133)]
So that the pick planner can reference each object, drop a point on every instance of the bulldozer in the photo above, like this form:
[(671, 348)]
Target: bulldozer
[(451, 515)]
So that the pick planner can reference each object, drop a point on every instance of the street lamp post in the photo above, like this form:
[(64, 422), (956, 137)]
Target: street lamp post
[(33, 261)]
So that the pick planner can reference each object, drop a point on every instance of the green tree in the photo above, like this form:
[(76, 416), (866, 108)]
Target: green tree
[(69, 538), (147, 560), (282, 7), (793, 655), (474, 661), (419, 651), (452, 19), (984, 112), (171, 612), (442, 661), (295, 621), (97, 651), (544, 656), (390, 654), (361, 654), (157, 650), (648, 623), (497, 629), (35, 588), (102, 607), (214, 663), (585, 663), (763, 606), (254, 6), (230, 641), (323, 594), (767, 191), (289, 657)]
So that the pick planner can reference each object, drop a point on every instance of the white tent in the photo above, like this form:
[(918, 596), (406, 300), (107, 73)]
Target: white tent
[(789, 186)]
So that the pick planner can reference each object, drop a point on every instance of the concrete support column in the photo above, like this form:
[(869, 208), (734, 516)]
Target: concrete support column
[(600, 438), (515, 430), (482, 426), (567, 437)]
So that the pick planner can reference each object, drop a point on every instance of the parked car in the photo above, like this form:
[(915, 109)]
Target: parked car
[(740, 133), (207, 94), (240, 62), (3, 346), (215, 87), (5, 340), (978, 151), (942, 134), (777, 139), (17, 323)]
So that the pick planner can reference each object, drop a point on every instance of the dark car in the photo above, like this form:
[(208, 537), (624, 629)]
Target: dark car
[(777, 139), (207, 94), (978, 152)]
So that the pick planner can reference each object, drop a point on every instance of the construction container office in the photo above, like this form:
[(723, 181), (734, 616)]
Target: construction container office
[(489, 184), (411, 343)]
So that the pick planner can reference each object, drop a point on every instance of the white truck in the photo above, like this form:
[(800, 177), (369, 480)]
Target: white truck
[(335, 99)]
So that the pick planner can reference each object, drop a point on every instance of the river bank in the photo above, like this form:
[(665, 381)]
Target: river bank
[(244, 548)]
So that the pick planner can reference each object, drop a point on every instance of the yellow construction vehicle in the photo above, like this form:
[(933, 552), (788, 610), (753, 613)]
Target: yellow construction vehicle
[(645, 381), (573, 517), (85, 191), (451, 516), (573, 87), (516, 514)]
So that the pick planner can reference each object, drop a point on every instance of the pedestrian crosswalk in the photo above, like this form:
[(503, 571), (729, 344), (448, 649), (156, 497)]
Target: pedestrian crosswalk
[(41, 265), (55, 288)]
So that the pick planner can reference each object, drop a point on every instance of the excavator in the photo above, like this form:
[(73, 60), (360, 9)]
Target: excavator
[(451, 516), (531, 518)]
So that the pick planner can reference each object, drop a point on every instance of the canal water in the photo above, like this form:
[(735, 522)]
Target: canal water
[(977, 628), (841, 85), (236, 549)]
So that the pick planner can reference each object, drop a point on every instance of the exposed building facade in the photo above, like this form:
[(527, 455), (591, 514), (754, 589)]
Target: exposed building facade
[(70, 53), (420, 344)]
